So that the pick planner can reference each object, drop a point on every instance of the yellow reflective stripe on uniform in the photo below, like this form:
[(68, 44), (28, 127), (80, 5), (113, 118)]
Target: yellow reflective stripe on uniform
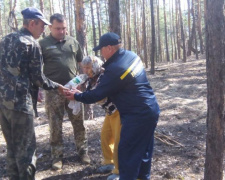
[(129, 69)]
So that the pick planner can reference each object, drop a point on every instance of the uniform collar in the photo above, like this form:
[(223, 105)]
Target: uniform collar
[(113, 57), (25, 31), (55, 41)]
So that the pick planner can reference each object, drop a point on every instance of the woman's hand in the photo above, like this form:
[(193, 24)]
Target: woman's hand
[(61, 89)]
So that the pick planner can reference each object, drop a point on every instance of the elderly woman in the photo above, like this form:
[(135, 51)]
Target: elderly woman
[(110, 134)]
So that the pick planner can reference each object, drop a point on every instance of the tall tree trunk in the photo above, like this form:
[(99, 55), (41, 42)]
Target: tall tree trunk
[(1, 31), (189, 18), (190, 35), (190, 40), (107, 12), (80, 25), (152, 71), (136, 28), (43, 11), (64, 9), (42, 6), (159, 35), (114, 16), (144, 34), (182, 33), (200, 27), (70, 18), (128, 24), (166, 40), (60, 7), (174, 33), (134, 43), (171, 29), (12, 21), (177, 29), (93, 25), (194, 27), (99, 19), (215, 58), (50, 4), (81, 38), (5, 16), (124, 33)]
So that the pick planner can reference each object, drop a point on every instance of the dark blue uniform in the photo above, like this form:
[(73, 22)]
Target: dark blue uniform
[(125, 82)]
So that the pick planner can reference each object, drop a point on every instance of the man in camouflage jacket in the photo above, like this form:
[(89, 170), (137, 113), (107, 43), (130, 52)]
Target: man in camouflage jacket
[(21, 73)]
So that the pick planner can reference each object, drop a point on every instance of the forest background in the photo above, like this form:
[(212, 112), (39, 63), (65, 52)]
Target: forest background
[(174, 26)]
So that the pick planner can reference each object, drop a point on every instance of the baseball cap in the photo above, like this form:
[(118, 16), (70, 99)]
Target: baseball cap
[(34, 13), (108, 39)]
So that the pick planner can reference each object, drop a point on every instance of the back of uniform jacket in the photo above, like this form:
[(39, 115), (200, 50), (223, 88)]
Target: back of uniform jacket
[(126, 83)]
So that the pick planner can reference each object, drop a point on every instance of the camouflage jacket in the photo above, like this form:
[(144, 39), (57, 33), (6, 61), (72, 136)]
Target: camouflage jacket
[(21, 71)]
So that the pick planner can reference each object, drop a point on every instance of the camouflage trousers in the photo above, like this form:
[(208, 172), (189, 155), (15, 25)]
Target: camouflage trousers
[(55, 105), (18, 130)]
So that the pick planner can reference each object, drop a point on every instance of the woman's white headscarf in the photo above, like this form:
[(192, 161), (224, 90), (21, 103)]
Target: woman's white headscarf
[(95, 62)]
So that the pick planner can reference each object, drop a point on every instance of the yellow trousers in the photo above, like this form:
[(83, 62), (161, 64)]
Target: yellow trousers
[(110, 138)]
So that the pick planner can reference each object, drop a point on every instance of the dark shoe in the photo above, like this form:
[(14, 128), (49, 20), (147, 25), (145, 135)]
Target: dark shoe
[(106, 168), (57, 164)]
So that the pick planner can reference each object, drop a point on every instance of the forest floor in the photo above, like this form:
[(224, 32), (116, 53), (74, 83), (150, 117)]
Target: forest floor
[(180, 135)]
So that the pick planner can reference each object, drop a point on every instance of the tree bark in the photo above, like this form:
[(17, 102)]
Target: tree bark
[(80, 25), (159, 35), (190, 33), (99, 19), (42, 6), (124, 33), (177, 30), (174, 33), (171, 29), (128, 24), (165, 29), (215, 58), (107, 12), (144, 34), (194, 22), (70, 18), (152, 71), (199, 27), (182, 34), (12, 21), (64, 9), (50, 4), (1, 30), (189, 18), (93, 26), (114, 16), (60, 7), (136, 28)]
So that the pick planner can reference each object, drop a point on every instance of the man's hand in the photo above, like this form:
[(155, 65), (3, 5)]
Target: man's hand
[(69, 94), (61, 89)]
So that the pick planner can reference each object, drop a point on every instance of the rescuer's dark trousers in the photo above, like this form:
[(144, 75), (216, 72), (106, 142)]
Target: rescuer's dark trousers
[(135, 149)]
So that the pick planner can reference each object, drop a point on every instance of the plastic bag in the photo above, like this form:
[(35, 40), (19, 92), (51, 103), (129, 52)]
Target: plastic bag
[(75, 106), (73, 83)]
